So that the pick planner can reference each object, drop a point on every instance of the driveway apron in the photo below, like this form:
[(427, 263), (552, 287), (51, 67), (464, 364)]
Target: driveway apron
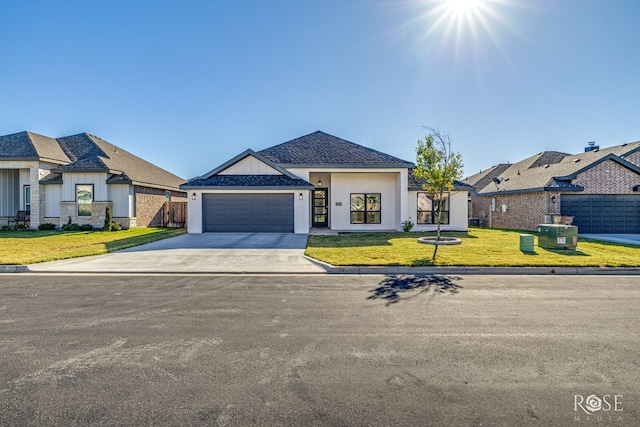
[(200, 253)]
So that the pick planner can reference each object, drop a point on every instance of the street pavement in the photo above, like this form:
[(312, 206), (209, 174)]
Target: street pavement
[(319, 350)]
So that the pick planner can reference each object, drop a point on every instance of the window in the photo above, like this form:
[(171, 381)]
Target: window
[(167, 196), (365, 208), (428, 209), (84, 197), (27, 199)]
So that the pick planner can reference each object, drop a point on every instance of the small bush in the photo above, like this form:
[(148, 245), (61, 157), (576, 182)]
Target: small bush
[(107, 220), (71, 227), (47, 226), (20, 227), (115, 226), (407, 226), (6, 228), (86, 227)]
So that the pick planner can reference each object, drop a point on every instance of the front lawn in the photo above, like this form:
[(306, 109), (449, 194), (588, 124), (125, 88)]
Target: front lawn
[(480, 247), (28, 247)]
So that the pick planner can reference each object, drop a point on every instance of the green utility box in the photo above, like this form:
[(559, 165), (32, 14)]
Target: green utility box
[(557, 236), (526, 243)]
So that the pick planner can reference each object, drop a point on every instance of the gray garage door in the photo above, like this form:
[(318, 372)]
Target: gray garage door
[(262, 213), (603, 214)]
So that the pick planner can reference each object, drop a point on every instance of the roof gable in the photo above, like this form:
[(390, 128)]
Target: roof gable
[(29, 145), (320, 149), (248, 163)]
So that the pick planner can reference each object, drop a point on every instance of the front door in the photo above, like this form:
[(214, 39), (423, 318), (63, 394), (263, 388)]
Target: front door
[(320, 208)]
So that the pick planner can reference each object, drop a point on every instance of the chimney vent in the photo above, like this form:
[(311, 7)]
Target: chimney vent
[(591, 147)]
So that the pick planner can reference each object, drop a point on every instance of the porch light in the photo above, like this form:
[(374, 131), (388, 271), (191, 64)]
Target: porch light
[(319, 183), (193, 196), (300, 196), (553, 199)]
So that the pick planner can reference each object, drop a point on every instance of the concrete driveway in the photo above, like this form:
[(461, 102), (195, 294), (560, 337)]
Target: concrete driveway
[(200, 253)]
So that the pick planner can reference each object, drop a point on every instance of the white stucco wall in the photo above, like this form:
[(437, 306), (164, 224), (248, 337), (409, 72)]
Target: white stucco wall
[(344, 184), (458, 206), (301, 208)]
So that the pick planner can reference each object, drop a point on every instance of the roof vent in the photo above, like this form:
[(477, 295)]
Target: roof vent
[(546, 166), (591, 147), (576, 160)]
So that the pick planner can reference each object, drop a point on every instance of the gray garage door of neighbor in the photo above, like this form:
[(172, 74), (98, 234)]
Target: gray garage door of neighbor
[(248, 213), (603, 213)]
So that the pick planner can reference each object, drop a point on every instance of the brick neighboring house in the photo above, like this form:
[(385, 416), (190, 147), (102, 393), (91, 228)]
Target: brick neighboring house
[(598, 190), (77, 177)]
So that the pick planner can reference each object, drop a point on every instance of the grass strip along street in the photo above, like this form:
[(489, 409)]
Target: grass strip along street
[(480, 247), (28, 247)]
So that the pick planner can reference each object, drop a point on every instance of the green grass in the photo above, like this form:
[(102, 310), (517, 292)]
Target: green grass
[(480, 247), (29, 247)]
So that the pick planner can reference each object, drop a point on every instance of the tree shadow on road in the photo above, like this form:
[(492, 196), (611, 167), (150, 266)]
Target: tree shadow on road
[(396, 288)]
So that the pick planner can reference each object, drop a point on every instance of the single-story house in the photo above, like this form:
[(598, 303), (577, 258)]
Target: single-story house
[(75, 178), (598, 190), (317, 180)]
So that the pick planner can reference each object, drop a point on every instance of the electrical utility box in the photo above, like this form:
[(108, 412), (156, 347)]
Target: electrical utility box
[(557, 236)]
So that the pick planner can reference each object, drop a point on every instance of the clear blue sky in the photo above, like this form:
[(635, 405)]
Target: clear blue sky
[(189, 84)]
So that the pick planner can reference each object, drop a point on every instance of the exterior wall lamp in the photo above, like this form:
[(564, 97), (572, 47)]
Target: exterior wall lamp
[(553, 199), (300, 196), (193, 196), (319, 183)]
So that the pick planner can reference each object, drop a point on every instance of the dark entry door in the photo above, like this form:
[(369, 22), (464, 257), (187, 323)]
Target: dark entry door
[(320, 208)]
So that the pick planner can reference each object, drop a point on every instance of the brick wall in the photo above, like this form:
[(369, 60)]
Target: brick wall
[(607, 178), (149, 203), (524, 211)]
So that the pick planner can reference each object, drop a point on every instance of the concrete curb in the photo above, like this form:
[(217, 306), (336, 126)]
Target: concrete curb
[(515, 271), (14, 269), (330, 269)]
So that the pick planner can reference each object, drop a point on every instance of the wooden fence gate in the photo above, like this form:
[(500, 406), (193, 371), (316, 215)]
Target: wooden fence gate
[(174, 214)]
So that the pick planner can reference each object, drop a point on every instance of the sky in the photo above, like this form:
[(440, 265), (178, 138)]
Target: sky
[(190, 84)]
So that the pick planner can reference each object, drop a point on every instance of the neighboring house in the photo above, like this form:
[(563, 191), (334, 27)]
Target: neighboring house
[(75, 178), (599, 190), (317, 180)]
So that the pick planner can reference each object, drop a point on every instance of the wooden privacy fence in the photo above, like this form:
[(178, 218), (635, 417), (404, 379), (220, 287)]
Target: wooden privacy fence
[(174, 214)]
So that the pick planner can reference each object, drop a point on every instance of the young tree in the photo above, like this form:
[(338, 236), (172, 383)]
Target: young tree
[(107, 220), (438, 166)]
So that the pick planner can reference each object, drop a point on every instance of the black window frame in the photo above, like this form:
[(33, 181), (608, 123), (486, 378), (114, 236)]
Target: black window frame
[(78, 204), (431, 214), (366, 210), (27, 205)]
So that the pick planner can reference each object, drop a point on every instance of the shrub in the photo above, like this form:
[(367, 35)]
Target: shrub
[(20, 227), (115, 226), (47, 226), (107, 220), (71, 227), (86, 227), (407, 226), (6, 228)]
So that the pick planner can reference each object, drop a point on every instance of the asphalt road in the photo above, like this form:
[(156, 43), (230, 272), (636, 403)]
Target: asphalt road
[(319, 350)]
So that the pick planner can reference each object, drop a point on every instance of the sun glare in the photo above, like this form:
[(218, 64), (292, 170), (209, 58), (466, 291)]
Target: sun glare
[(458, 7)]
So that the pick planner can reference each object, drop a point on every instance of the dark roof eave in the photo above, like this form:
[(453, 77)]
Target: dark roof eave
[(347, 165), (50, 182), (84, 170), (455, 188), (574, 189), (149, 185), (246, 187)]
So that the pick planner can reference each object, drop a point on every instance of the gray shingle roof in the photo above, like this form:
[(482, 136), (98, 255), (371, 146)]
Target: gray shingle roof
[(32, 146), (90, 152), (320, 149), (526, 175), (261, 181), (85, 152), (415, 184)]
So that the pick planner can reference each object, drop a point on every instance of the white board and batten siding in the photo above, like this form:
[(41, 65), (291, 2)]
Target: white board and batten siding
[(122, 196), (52, 193), (70, 180), (249, 166)]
